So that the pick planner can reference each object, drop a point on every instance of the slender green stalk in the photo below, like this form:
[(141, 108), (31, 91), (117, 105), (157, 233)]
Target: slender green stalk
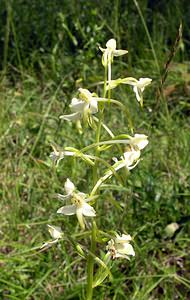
[(90, 264), (90, 261), (148, 35)]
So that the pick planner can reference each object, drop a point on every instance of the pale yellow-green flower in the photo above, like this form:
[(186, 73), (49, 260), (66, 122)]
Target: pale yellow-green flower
[(139, 88), (57, 155), (138, 85), (108, 54), (120, 246), (131, 156), (86, 105), (139, 141), (79, 205), (56, 233)]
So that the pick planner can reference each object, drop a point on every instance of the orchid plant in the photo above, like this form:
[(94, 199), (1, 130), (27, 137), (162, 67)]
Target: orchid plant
[(89, 108)]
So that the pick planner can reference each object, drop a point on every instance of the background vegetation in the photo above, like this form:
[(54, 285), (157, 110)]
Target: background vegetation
[(48, 49)]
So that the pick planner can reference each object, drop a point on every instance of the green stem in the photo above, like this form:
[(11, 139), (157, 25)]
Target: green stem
[(90, 264)]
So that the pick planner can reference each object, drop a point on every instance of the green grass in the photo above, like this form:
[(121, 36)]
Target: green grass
[(155, 194)]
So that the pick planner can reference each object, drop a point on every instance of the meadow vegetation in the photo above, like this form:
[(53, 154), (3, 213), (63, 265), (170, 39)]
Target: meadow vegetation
[(47, 53)]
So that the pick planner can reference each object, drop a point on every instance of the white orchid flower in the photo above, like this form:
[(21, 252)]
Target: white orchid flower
[(79, 205), (129, 160), (83, 107), (131, 157), (138, 85), (56, 233), (120, 246), (57, 155), (139, 88), (139, 140), (109, 53)]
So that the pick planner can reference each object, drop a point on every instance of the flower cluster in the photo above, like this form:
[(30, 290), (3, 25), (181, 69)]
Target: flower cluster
[(80, 204)]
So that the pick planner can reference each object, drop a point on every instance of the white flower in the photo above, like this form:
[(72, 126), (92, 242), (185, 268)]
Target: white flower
[(120, 247), (57, 155), (56, 233), (83, 107), (138, 85), (139, 140), (79, 205), (129, 160), (139, 88), (110, 52), (108, 55), (131, 157)]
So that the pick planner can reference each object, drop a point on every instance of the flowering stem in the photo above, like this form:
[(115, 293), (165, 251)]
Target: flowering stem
[(90, 261)]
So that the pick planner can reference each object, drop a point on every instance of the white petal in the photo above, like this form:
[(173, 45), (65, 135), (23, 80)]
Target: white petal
[(123, 238), (67, 210), (77, 105), (105, 58), (144, 82), (63, 197), (125, 249), (118, 255), (80, 217), (69, 186), (131, 156), (88, 210), (129, 249), (119, 52), (111, 44), (55, 231), (137, 93), (72, 117), (93, 106), (48, 244), (140, 140)]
